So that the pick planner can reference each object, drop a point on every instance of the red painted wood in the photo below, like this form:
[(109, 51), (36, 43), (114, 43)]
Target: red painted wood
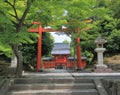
[(79, 66), (49, 64), (39, 30), (68, 64), (33, 30), (36, 22), (61, 59), (39, 56)]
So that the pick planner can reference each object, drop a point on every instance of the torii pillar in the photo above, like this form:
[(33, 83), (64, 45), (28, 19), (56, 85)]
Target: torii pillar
[(39, 30), (78, 52)]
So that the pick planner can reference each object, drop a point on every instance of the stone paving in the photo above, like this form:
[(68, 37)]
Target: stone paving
[(61, 72)]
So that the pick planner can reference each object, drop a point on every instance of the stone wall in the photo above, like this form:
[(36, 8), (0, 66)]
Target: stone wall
[(115, 67), (4, 85), (6, 70), (112, 86)]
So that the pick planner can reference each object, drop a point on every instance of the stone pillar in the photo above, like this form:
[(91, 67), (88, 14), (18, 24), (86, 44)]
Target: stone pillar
[(100, 57)]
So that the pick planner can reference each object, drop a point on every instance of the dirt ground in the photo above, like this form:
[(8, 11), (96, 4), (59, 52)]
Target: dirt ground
[(112, 60)]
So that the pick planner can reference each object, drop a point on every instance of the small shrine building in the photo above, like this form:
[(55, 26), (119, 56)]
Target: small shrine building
[(61, 52), (61, 57)]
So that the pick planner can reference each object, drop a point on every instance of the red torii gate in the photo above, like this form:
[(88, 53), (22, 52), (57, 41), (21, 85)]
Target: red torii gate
[(40, 29)]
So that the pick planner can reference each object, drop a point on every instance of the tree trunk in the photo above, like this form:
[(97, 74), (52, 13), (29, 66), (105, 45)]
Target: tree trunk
[(18, 71)]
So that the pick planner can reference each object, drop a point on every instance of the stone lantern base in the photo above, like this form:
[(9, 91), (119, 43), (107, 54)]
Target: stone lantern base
[(100, 58), (101, 66), (103, 70)]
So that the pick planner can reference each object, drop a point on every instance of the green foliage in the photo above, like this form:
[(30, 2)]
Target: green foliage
[(25, 37), (109, 26), (10, 19), (47, 44), (29, 52), (113, 45), (5, 24), (89, 55), (4, 49), (77, 12), (115, 8)]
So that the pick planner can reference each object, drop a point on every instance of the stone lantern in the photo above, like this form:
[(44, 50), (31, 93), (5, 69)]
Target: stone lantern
[(100, 50)]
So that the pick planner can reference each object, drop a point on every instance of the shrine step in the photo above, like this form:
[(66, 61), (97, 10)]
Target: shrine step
[(51, 80), (53, 86), (55, 92), (49, 86)]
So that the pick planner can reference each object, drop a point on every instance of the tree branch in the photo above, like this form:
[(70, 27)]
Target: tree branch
[(14, 2), (21, 21), (13, 6), (12, 15)]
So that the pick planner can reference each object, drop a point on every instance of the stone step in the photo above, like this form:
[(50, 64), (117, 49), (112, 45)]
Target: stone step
[(52, 86), (55, 92), (51, 80)]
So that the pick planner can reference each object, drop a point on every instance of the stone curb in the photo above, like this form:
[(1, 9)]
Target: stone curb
[(97, 74), (100, 87), (5, 87)]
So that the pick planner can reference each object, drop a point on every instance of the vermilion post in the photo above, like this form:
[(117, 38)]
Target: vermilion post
[(39, 55), (79, 62), (39, 30)]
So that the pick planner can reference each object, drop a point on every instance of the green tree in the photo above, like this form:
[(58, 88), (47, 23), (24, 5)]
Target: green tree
[(113, 44), (16, 19), (18, 11), (109, 25)]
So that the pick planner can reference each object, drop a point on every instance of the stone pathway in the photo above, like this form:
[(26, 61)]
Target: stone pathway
[(60, 72)]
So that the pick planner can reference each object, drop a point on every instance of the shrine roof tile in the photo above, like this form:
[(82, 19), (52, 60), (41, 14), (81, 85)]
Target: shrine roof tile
[(61, 48)]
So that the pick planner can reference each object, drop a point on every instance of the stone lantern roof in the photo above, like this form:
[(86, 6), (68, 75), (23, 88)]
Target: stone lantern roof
[(100, 41)]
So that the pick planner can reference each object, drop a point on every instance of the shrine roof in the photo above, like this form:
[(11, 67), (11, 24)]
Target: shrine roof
[(61, 48)]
